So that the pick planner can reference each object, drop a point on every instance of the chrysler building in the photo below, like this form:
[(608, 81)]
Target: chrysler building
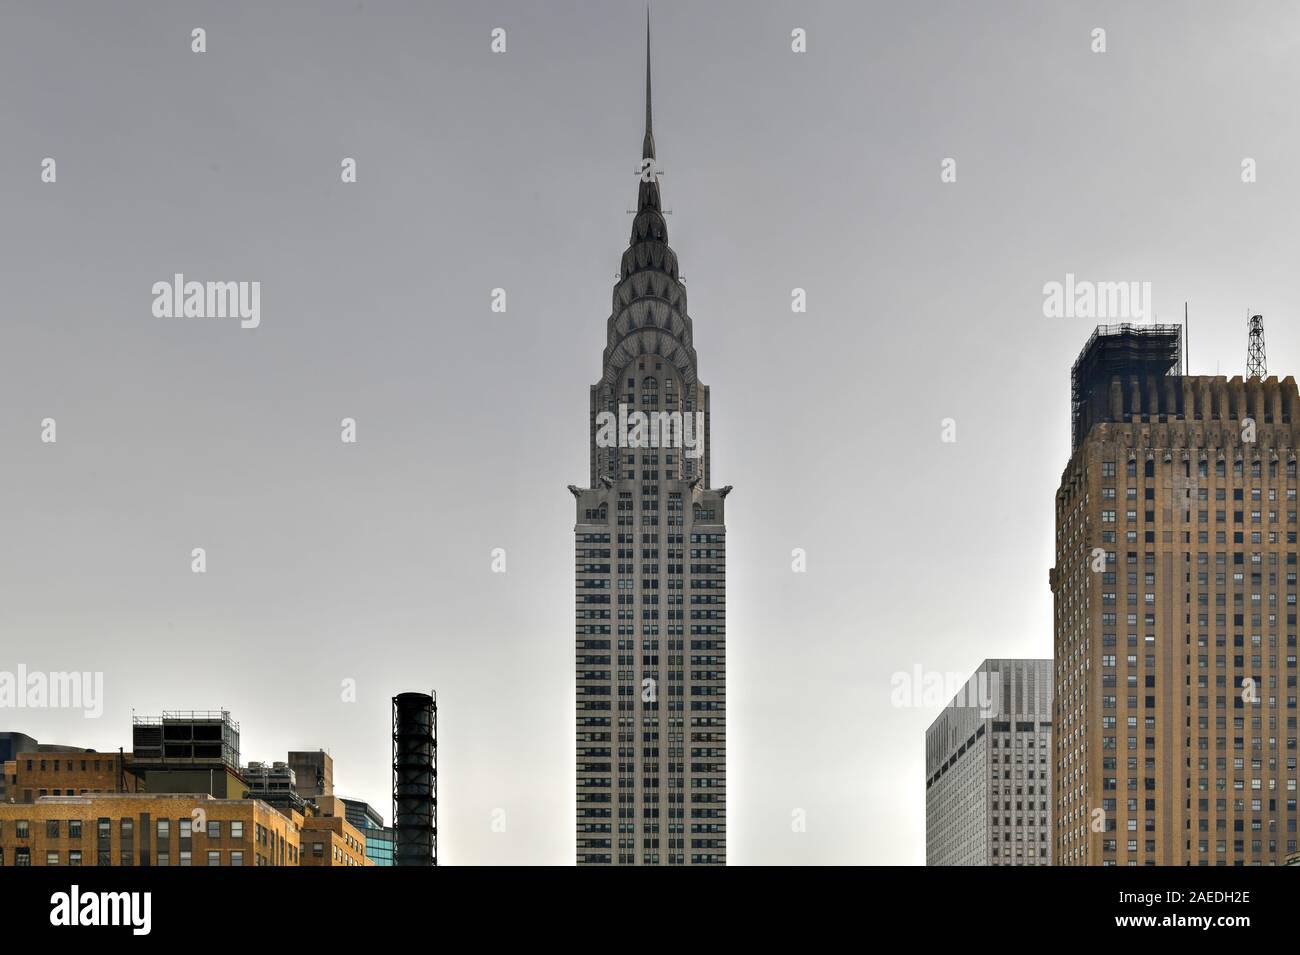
[(650, 570)]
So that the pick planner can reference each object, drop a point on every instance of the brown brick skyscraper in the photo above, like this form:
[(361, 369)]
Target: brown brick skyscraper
[(1175, 612)]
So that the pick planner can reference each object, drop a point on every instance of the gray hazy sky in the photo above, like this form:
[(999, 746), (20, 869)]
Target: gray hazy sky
[(371, 561)]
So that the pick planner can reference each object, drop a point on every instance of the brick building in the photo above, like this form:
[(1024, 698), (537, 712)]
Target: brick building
[(1175, 612), (147, 829)]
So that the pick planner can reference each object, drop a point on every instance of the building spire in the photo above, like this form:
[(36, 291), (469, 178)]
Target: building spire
[(648, 147), (648, 193)]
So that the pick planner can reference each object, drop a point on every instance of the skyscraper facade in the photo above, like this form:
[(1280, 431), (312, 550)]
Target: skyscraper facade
[(650, 559), (988, 769), (1175, 612)]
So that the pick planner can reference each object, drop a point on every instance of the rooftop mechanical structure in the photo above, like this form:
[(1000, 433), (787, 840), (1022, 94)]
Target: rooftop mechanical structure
[(1125, 350)]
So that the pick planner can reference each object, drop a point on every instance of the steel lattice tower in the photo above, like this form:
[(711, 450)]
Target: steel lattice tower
[(1256, 366)]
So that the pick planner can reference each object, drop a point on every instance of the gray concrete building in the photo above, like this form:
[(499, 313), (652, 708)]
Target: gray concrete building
[(650, 559), (988, 770)]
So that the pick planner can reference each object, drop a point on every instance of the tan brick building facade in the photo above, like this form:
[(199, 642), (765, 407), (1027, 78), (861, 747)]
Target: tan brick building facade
[(30, 776), (1175, 596), (128, 829), (332, 841)]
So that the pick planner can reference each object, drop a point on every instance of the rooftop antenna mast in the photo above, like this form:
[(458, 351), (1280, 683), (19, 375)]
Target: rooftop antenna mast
[(1256, 366)]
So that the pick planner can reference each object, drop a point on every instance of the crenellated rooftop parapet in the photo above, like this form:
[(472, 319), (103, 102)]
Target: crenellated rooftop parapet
[(1204, 398)]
